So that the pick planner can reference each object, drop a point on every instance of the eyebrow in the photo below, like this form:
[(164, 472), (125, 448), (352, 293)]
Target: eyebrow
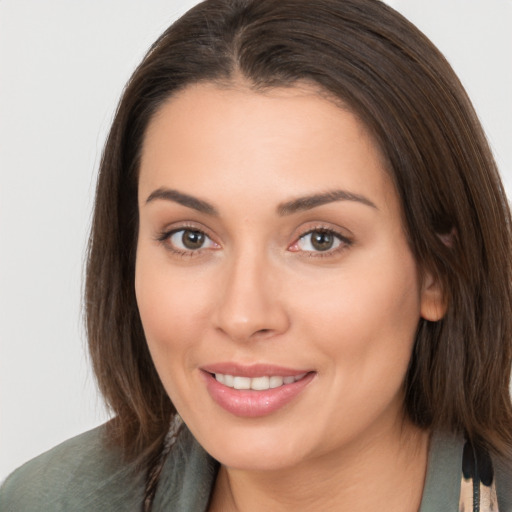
[(308, 202), (168, 194), (287, 208)]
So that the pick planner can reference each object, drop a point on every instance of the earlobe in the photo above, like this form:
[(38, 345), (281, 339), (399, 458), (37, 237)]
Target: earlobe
[(433, 299)]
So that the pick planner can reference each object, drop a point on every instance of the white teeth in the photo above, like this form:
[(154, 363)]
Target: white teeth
[(256, 383), (242, 383), (260, 383), (275, 382)]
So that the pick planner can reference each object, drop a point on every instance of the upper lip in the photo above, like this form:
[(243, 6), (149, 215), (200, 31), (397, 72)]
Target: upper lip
[(252, 370)]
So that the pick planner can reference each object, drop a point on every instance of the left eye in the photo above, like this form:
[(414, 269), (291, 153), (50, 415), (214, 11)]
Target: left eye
[(319, 240), (190, 240)]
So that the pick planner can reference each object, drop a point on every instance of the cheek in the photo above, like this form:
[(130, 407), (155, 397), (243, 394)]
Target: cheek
[(367, 313), (366, 324), (171, 312), (172, 307)]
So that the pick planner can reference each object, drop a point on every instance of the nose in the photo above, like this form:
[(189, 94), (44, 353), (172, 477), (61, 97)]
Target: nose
[(250, 304)]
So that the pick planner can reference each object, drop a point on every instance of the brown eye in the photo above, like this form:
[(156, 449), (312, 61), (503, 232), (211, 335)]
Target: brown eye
[(319, 240), (190, 240), (322, 240)]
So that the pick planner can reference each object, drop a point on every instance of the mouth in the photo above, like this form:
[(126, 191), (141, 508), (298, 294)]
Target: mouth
[(254, 391)]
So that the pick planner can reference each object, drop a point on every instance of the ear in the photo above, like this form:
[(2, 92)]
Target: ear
[(433, 299)]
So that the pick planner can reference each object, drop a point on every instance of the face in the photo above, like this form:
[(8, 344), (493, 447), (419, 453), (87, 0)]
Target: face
[(277, 291)]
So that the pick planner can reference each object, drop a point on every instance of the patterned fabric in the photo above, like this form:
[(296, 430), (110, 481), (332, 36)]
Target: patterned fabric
[(478, 488)]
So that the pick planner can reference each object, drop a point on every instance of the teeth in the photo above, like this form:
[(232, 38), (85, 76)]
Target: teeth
[(241, 383), (275, 382), (256, 383), (260, 383)]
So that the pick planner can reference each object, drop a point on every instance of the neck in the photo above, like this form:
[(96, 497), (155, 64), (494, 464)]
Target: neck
[(390, 470)]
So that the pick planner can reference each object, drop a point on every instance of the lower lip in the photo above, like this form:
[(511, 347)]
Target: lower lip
[(250, 403)]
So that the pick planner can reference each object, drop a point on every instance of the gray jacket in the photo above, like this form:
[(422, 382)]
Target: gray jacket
[(82, 474)]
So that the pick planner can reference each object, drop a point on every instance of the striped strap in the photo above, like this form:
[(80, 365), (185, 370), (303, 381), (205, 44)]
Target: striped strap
[(477, 488)]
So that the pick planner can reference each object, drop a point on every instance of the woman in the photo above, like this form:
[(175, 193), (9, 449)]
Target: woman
[(298, 287)]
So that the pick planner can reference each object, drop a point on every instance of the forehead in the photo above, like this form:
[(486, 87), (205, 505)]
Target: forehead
[(207, 137)]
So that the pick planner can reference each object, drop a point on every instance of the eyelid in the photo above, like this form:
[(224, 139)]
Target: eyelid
[(176, 243), (345, 240), (167, 232)]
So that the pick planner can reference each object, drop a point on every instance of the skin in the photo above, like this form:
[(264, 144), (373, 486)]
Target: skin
[(258, 291)]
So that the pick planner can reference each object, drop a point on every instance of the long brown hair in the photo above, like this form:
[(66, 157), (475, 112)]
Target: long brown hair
[(367, 56)]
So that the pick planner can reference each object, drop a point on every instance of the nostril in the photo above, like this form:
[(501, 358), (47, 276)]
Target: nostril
[(262, 333)]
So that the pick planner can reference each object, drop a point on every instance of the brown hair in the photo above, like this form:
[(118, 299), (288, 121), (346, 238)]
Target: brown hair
[(369, 57)]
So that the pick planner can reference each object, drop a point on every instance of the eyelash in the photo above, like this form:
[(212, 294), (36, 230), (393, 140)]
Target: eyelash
[(343, 242), (165, 239)]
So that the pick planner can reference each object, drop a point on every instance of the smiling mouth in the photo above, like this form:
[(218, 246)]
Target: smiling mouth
[(256, 383), (259, 390)]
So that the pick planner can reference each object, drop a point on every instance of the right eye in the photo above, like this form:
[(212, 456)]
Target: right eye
[(189, 240)]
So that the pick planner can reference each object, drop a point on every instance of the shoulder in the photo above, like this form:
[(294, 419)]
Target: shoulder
[(79, 474), (503, 470), (187, 478), (450, 479)]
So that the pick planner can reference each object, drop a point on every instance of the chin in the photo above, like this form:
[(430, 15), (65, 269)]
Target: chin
[(258, 449), (258, 461)]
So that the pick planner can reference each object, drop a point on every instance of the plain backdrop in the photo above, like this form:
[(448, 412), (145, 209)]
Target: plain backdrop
[(62, 68)]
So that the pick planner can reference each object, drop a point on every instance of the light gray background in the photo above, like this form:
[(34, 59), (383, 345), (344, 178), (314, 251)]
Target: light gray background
[(62, 67)]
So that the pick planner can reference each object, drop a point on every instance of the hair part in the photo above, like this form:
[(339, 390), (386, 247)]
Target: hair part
[(374, 62)]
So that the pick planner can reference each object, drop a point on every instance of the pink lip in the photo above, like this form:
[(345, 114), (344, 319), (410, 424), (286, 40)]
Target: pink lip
[(250, 403)]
